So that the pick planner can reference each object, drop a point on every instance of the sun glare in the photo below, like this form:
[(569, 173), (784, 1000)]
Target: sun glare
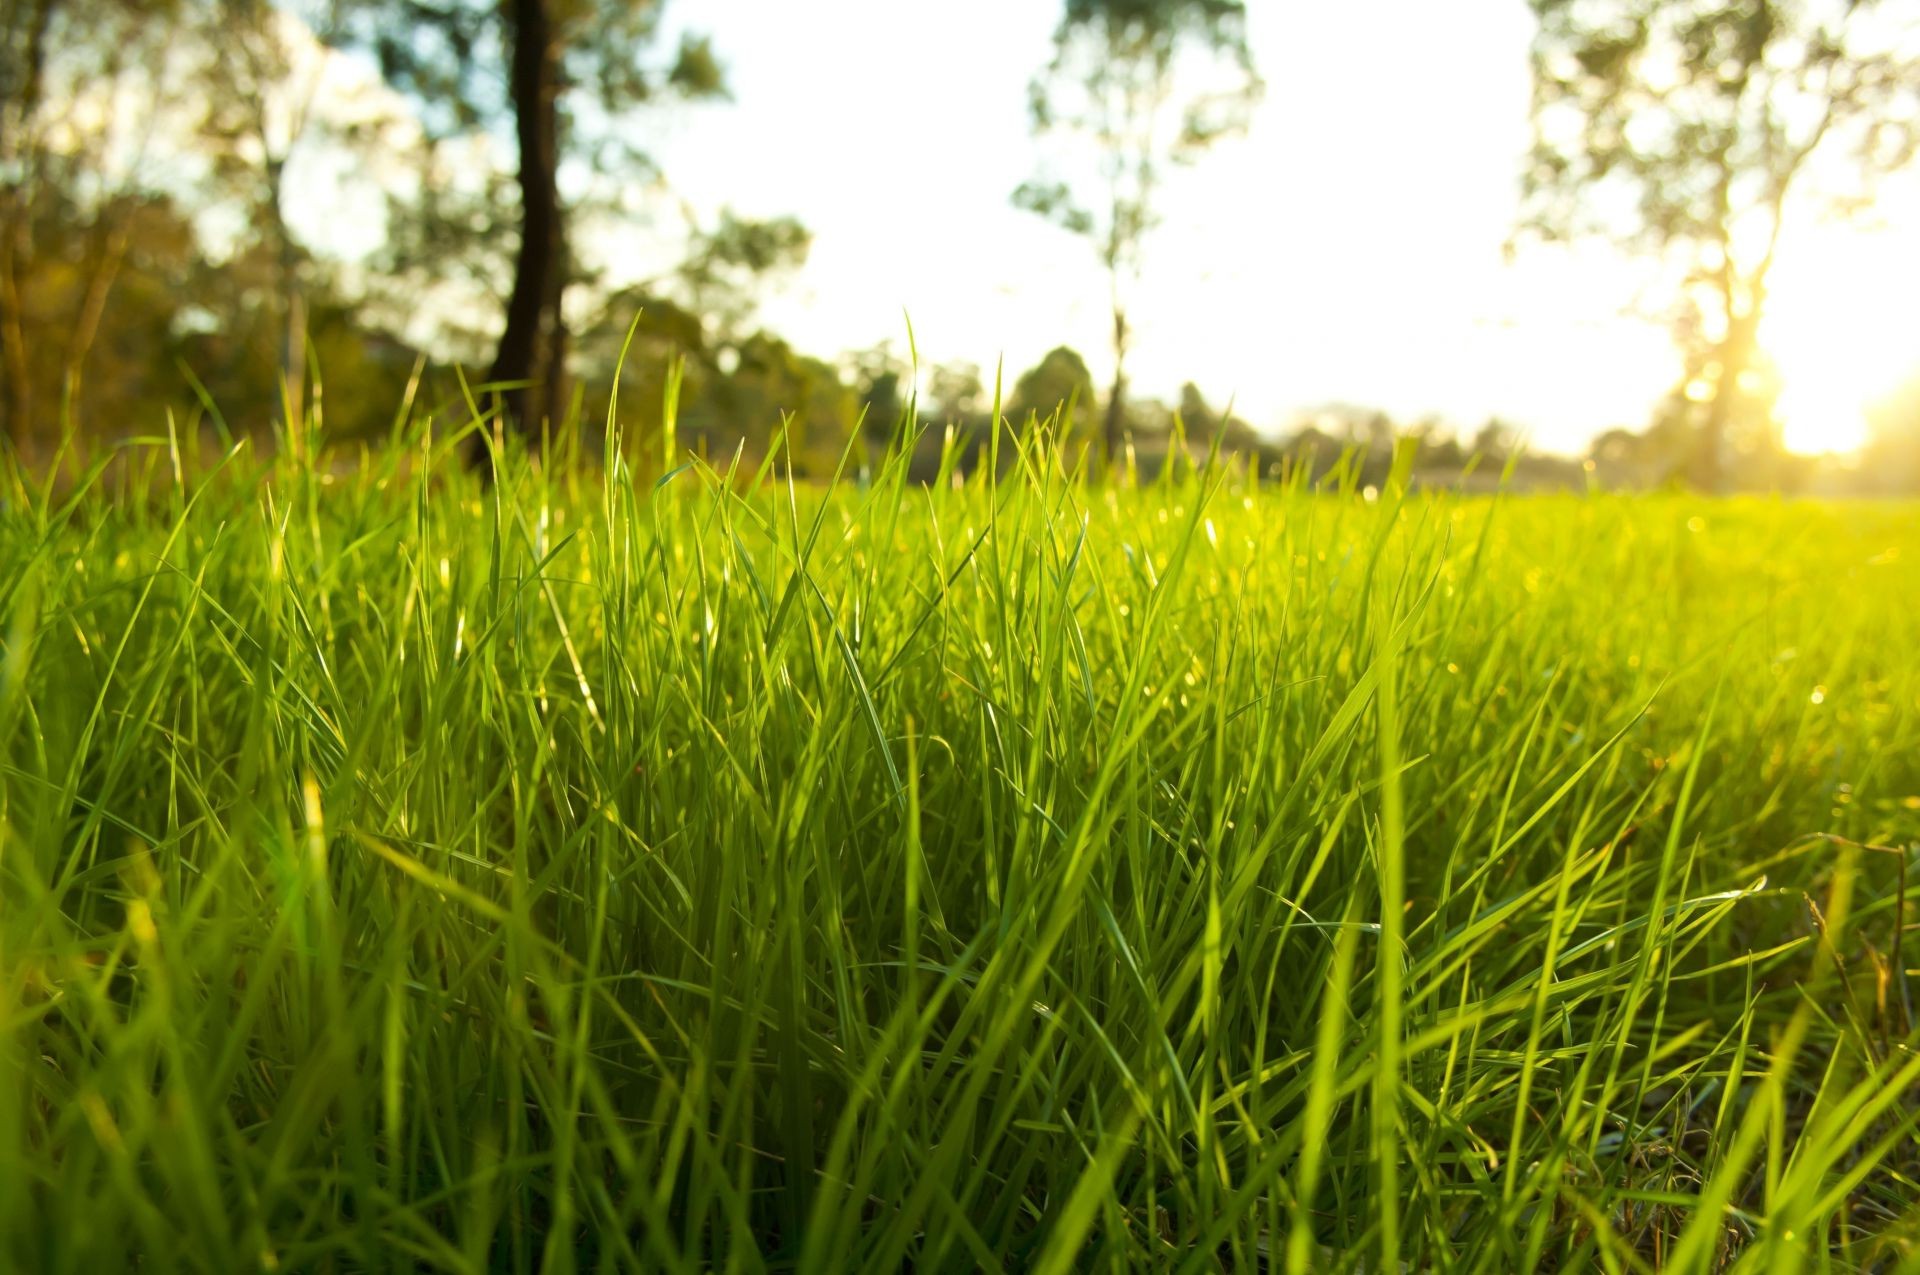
[(1836, 331)]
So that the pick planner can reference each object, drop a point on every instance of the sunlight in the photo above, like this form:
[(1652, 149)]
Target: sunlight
[(1836, 329)]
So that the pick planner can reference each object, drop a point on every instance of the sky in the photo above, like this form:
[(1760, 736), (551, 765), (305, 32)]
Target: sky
[(1348, 249)]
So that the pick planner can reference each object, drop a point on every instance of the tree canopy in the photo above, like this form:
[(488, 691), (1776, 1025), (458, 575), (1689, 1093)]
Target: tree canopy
[(573, 72), (1693, 128), (1143, 84)]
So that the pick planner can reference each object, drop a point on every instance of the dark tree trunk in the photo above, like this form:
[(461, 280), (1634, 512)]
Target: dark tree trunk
[(1117, 396), (532, 308)]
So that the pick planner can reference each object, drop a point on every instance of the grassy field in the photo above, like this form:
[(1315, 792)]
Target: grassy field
[(615, 872)]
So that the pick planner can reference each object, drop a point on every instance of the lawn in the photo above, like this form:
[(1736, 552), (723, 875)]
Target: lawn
[(604, 870)]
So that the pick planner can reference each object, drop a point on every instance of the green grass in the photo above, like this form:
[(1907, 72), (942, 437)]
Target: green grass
[(653, 874)]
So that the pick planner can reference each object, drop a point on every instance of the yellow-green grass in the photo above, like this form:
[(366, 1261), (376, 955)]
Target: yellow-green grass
[(608, 872)]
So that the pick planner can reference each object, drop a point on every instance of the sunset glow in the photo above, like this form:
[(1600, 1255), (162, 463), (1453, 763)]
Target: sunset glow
[(1840, 329)]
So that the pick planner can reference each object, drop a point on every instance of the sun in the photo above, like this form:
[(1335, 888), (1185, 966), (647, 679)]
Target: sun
[(1839, 327)]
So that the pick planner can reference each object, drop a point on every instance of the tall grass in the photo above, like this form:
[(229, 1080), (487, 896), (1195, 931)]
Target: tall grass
[(622, 872)]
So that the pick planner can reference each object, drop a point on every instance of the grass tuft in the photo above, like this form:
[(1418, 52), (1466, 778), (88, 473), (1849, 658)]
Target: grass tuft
[(664, 867)]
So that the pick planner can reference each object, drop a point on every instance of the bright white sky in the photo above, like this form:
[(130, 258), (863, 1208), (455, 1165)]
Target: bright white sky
[(1348, 249)]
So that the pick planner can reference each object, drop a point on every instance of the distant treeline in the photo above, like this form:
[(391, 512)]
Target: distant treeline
[(152, 275), (196, 341)]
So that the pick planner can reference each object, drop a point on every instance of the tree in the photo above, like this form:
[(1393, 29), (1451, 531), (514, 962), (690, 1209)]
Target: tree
[(573, 72), (264, 75), (1691, 127), (1495, 440), (956, 396), (130, 377), (1436, 446), (727, 262), (27, 34), (882, 387), (127, 129), (1196, 414), (771, 382), (1058, 381), (1148, 83), (84, 86)]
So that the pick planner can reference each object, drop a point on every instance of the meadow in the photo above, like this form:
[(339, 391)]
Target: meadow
[(670, 868)]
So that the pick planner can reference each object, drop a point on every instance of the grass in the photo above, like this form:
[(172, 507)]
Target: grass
[(632, 873)]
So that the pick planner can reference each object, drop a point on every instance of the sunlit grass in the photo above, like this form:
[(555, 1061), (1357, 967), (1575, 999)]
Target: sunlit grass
[(654, 873)]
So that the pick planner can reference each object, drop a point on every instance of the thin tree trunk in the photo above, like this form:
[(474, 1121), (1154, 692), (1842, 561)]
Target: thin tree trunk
[(93, 307), (293, 349), (533, 82), (1707, 475), (1742, 337), (1117, 396), (1735, 356)]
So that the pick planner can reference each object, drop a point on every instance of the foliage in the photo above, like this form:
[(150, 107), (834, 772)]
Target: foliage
[(1059, 382), (727, 262), (957, 393), (126, 352), (1692, 128), (1145, 84), (260, 98), (568, 75), (82, 84)]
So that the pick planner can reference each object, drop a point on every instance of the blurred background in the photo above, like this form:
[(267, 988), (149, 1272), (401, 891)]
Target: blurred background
[(1653, 242)]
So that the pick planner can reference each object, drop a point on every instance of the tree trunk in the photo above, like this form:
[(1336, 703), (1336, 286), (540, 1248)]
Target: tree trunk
[(533, 80), (1706, 467), (1734, 356), (105, 272), (1117, 396), (293, 350)]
